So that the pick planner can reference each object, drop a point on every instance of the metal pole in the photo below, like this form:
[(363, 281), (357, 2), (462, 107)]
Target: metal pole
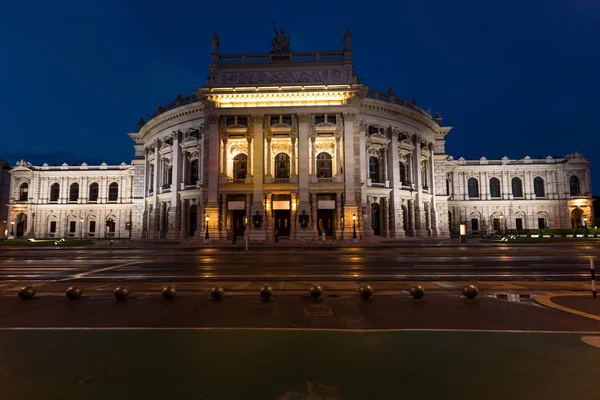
[(593, 273)]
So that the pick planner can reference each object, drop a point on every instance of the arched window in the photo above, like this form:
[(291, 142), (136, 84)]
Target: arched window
[(240, 166), (517, 187), (74, 192), (282, 166), (93, 192), (193, 172), (574, 185), (167, 176), (324, 165), (473, 187), (374, 169), (538, 187), (23, 191), (403, 173), (494, 187), (54, 192), (113, 191)]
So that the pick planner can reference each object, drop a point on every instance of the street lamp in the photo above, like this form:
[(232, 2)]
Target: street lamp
[(353, 226), (342, 220), (207, 218), (81, 229)]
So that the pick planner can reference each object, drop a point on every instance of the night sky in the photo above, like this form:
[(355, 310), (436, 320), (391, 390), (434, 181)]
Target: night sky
[(514, 78)]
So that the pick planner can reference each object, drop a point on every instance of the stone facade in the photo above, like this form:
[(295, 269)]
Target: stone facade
[(4, 195), (294, 145)]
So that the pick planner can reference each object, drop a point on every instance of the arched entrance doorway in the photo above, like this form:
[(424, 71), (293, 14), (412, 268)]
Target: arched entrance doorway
[(21, 225), (376, 219), (577, 218)]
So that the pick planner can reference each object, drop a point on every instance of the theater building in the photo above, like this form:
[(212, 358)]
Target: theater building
[(296, 144)]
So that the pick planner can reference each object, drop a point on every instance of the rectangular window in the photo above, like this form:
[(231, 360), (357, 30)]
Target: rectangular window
[(474, 224), (541, 223), (92, 227), (72, 226), (519, 223), (52, 226)]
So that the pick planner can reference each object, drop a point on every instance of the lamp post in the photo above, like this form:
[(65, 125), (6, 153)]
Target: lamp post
[(207, 218), (81, 229), (353, 226), (342, 220), (11, 235)]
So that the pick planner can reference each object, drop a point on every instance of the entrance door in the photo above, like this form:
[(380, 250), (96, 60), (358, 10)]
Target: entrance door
[(237, 221), (325, 222), (375, 219), (282, 222), (21, 225)]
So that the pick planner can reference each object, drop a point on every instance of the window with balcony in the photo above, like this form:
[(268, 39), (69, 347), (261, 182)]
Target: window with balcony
[(374, 169), (473, 187), (93, 192), (74, 192), (23, 191), (517, 187), (324, 165), (282, 166), (494, 187), (574, 186), (54, 192), (240, 166), (538, 187), (113, 191)]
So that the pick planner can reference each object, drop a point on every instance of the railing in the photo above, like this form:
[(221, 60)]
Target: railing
[(376, 95), (232, 59), (178, 102)]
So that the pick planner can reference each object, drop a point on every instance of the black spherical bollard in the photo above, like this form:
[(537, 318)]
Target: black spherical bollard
[(266, 292), (417, 291), (316, 291), (121, 293), (366, 291), (470, 291), (26, 293), (217, 292), (169, 292), (74, 292)]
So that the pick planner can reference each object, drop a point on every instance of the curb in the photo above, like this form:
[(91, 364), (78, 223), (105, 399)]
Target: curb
[(545, 301)]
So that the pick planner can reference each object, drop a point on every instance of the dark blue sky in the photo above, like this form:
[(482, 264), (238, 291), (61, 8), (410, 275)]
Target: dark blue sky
[(514, 78)]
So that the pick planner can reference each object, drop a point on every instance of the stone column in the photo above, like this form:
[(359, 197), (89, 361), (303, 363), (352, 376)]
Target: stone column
[(184, 170), (174, 227), (396, 228), (184, 218), (303, 169), (155, 217), (258, 176), (386, 217), (224, 157), (249, 170), (313, 163), (350, 205), (434, 217), (313, 217), (201, 160), (269, 161), (419, 213), (337, 165), (293, 160), (367, 227), (411, 218), (385, 167), (212, 206)]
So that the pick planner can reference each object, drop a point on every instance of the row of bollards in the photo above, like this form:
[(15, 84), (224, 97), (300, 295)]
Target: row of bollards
[(217, 292)]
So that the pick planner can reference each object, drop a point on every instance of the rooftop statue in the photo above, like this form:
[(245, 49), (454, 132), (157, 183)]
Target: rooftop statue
[(281, 41), (215, 43), (347, 39)]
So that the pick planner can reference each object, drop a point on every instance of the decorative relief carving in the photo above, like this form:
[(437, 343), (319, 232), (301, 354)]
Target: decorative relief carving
[(238, 148), (270, 77), (323, 146)]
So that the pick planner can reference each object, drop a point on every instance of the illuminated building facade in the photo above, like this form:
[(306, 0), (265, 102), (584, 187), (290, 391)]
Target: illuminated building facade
[(295, 144)]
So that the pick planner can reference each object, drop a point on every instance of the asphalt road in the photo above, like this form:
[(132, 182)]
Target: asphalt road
[(554, 261)]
